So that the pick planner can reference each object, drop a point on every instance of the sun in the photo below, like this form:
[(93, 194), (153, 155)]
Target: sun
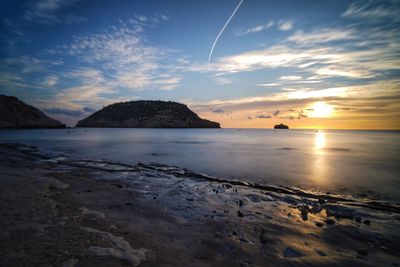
[(320, 110)]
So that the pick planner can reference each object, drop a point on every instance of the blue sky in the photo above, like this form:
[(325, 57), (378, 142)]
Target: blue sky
[(312, 64)]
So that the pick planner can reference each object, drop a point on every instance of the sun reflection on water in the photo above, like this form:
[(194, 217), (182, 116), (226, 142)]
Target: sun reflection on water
[(319, 141), (318, 164)]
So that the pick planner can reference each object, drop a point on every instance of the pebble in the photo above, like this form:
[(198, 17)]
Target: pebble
[(240, 214)]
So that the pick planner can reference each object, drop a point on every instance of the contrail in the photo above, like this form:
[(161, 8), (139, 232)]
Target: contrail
[(222, 30)]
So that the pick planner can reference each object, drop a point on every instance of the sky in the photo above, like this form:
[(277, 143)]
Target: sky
[(308, 64)]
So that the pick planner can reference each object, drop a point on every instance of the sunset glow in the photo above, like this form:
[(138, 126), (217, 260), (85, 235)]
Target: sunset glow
[(320, 110)]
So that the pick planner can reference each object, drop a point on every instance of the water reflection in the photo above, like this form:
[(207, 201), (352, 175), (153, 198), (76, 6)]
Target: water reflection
[(319, 142), (318, 165)]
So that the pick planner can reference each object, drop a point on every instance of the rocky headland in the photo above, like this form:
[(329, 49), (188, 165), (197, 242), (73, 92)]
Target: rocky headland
[(146, 114), (17, 115)]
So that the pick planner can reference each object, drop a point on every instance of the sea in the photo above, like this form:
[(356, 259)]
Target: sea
[(358, 163)]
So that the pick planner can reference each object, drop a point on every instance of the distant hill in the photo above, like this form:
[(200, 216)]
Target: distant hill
[(16, 114), (146, 114)]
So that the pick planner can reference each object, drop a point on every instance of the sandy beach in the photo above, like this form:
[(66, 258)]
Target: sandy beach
[(58, 211)]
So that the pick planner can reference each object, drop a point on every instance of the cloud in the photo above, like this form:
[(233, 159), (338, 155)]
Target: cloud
[(269, 84), (114, 59), (51, 80), (89, 110), (256, 29), (262, 116), (66, 112), (374, 9), (291, 78), (48, 12), (222, 80), (321, 61), (218, 110), (323, 35), (285, 25), (294, 103), (122, 53)]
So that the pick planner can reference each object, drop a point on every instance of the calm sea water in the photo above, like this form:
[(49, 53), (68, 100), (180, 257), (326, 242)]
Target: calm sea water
[(337, 161)]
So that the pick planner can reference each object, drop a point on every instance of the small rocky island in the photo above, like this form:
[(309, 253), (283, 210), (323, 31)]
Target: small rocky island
[(16, 114), (281, 126), (146, 114)]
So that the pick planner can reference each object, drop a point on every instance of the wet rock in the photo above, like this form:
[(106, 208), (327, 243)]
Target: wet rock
[(93, 214), (367, 222), (321, 253), (218, 235), (304, 210), (263, 236), (70, 263), (362, 252), (292, 253), (339, 211), (319, 224), (246, 263), (330, 221)]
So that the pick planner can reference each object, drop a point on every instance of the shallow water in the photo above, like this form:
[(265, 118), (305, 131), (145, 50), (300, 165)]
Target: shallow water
[(348, 162)]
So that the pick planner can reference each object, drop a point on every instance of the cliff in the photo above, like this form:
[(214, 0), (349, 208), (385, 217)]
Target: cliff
[(16, 114), (146, 114)]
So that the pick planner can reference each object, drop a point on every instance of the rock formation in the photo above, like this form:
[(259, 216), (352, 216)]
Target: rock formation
[(146, 114), (16, 114), (281, 126)]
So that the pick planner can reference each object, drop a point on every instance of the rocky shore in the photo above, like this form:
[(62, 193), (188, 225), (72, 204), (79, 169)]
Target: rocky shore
[(58, 211)]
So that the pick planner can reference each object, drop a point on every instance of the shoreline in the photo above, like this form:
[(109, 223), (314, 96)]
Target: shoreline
[(93, 212)]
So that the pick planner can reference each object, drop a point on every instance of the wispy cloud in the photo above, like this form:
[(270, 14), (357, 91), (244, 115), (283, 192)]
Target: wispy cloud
[(51, 80), (366, 56), (263, 116), (47, 11), (119, 58), (374, 9), (285, 25), (322, 36), (269, 84), (104, 64), (282, 25), (290, 78), (255, 29)]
